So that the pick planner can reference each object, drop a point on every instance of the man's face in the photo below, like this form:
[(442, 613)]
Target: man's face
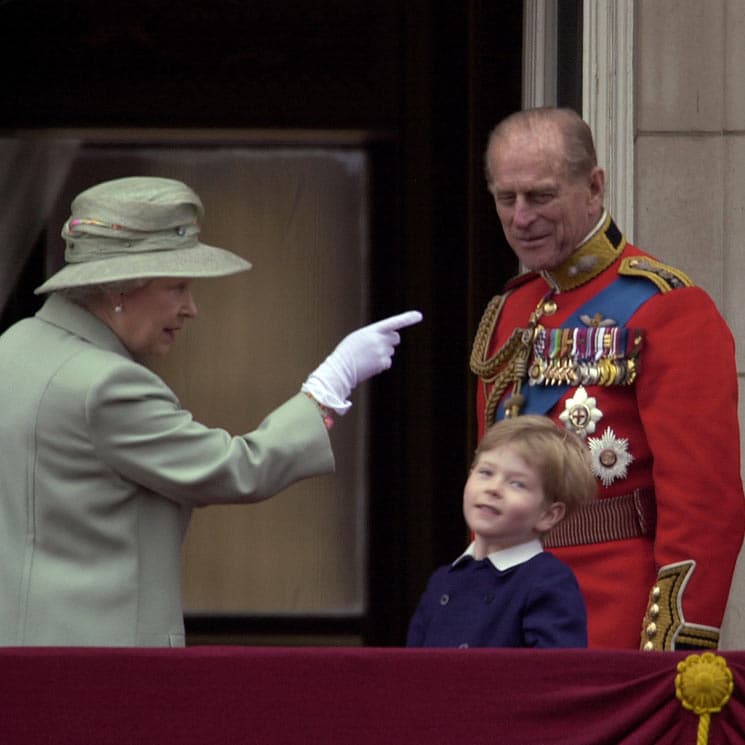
[(544, 213)]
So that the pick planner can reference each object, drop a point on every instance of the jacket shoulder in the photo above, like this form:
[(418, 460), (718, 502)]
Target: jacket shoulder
[(519, 280), (664, 276)]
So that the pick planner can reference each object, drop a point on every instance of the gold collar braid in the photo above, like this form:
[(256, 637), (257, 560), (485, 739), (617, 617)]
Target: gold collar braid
[(589, 259)]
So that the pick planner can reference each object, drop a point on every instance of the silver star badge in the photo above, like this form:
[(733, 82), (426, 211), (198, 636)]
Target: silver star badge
[(610, 456)]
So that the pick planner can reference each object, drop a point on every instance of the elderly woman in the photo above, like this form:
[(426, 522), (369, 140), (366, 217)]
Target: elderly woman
[(99, 465)]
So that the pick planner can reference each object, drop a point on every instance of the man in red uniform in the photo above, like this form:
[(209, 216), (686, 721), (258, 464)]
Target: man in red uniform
[(626, 352)]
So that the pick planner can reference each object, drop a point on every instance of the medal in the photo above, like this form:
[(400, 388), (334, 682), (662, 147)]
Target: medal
[(581, 413), (609, 456), (597, 355)]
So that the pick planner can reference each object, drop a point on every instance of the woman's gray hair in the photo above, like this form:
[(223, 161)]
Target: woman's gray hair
[(83, 293)]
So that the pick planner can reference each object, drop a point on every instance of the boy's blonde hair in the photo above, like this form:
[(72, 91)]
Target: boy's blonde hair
[(559, 456)]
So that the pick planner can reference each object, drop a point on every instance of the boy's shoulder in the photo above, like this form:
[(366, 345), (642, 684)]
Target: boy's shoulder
[(549, 567)]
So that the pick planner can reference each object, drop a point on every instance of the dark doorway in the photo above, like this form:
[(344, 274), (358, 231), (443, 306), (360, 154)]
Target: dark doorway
[(426, 81)]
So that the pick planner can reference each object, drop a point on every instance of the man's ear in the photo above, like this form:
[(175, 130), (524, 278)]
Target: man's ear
[(550, 516), (597, 187)]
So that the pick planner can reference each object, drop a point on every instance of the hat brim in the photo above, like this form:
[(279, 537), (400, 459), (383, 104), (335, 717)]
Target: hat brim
[(193, 262)]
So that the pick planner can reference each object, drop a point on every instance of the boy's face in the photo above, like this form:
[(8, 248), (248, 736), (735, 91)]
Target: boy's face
[(504, 503)]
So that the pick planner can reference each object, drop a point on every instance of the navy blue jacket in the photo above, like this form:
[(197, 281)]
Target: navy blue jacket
[(473, 604)]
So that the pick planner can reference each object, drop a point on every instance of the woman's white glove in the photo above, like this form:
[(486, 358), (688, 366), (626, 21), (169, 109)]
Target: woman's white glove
[(358, 356)]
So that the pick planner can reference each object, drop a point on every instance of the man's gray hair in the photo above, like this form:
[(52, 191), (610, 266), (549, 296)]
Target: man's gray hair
[(83, 293), (579, 148)]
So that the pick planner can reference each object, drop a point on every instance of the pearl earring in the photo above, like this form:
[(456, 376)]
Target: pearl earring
[(118, 308)]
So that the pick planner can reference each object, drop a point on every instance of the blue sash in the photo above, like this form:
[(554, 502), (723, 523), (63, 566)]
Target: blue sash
[(619, 301)]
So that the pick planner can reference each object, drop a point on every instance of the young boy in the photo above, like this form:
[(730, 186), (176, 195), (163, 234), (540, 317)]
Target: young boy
[(505, 591)]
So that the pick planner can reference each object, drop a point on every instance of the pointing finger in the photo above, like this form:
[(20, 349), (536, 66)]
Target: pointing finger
[(402, 320)]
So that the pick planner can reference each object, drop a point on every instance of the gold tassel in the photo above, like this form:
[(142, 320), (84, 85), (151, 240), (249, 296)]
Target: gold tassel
[(703, 685)]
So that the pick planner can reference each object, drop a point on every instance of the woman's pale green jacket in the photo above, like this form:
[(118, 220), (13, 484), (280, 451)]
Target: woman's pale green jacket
[(100, 468)]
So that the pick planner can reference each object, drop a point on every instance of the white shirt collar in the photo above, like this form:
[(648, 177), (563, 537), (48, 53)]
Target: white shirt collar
[(597, 227), (508, 557)]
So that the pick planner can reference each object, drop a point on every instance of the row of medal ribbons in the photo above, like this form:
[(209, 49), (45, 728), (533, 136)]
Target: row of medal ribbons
[(602, 355)]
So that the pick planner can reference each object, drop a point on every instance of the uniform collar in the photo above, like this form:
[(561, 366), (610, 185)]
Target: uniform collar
[(595, 254), (508, 557)]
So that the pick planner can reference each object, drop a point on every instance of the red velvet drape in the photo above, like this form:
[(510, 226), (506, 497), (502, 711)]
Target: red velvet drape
[(304, 696)]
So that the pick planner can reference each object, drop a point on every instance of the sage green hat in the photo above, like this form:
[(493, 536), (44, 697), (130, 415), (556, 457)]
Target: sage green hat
[(134, 228)]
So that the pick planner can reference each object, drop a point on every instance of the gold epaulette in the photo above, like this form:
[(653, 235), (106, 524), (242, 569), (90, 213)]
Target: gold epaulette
[(666, 277)]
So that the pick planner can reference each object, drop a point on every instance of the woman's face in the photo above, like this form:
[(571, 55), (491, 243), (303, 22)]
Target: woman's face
[(151, 315)]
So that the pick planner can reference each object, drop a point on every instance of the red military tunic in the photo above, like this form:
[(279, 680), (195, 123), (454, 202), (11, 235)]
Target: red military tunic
[(655, 397)]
